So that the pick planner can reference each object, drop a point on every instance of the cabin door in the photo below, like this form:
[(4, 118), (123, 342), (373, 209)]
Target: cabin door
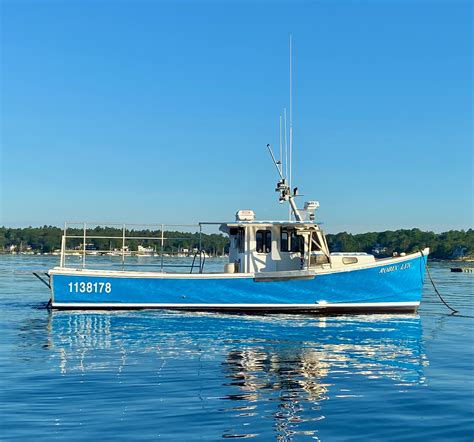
[(263, 260)]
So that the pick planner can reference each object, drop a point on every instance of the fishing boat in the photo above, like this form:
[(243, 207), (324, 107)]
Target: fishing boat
[(273, 266)]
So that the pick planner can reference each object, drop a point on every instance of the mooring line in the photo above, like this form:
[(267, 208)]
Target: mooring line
[(434, 285)]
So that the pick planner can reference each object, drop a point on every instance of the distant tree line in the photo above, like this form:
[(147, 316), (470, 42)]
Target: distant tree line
[(46, 239), (446, 245)]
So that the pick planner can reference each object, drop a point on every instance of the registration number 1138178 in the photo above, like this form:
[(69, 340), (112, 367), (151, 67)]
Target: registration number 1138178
[(90, 287)]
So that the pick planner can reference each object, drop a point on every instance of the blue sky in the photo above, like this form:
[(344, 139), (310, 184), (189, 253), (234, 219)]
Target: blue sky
[(151, 111)]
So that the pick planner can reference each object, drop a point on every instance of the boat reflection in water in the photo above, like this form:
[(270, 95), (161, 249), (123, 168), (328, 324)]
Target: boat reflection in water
[(278, 367)]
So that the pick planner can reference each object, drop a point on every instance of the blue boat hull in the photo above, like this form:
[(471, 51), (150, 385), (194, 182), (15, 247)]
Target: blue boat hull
[(392, 285)]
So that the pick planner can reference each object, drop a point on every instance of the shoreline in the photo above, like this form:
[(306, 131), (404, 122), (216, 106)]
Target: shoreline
[(2, 253)]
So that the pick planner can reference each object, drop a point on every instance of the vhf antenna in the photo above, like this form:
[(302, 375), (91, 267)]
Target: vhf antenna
[(283, 186), (291, 114), (281, 149)]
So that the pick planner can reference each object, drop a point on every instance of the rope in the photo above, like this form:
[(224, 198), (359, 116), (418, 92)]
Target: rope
[(434, 286)]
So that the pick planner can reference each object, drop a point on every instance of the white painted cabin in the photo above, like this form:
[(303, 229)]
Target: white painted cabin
[(280, 246)]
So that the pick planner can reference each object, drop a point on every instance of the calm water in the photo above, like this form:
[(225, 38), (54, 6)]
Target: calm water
[(187, 376)]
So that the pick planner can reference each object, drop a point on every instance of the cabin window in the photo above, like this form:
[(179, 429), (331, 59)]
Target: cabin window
[(284, 241), (240, 240), (238, 236), (349, 260), (264, 241), (296, 242), (300, 244)]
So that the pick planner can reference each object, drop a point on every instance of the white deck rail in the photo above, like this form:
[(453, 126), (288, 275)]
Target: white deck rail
[(160, 239)]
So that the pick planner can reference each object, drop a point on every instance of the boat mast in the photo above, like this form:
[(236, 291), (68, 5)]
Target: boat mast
[(284, 185), (286, 141), (284, 189), (281, 149), (291, 119)]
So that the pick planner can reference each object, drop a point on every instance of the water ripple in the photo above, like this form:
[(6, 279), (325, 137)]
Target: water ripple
[(198, 376)]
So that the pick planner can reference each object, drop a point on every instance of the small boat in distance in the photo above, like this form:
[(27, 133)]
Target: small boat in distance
[(144, 251)]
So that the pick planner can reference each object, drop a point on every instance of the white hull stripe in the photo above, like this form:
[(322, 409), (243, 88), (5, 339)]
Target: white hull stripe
[(236, 306)]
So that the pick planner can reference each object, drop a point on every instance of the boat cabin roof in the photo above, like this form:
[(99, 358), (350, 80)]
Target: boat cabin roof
[(264, 223)]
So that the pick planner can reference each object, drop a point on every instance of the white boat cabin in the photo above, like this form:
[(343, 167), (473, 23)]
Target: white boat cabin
[(280, 246)]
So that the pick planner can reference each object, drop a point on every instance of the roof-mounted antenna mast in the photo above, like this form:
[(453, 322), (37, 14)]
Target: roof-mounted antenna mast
[(284, 188), (286, 141), (291, 115), (281, 149)]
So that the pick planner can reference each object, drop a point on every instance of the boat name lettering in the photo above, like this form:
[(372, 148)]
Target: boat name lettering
[(90, 287), (393, 268)]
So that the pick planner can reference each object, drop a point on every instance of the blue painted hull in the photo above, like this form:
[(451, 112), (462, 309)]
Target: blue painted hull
[(393, 285)]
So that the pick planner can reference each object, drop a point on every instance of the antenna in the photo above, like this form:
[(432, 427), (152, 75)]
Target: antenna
[(281, 150), (286, 143), (284, 189), (275, 162), (291, 115)]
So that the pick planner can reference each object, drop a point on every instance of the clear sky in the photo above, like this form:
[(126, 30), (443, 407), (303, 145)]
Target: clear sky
[(149, 111)]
